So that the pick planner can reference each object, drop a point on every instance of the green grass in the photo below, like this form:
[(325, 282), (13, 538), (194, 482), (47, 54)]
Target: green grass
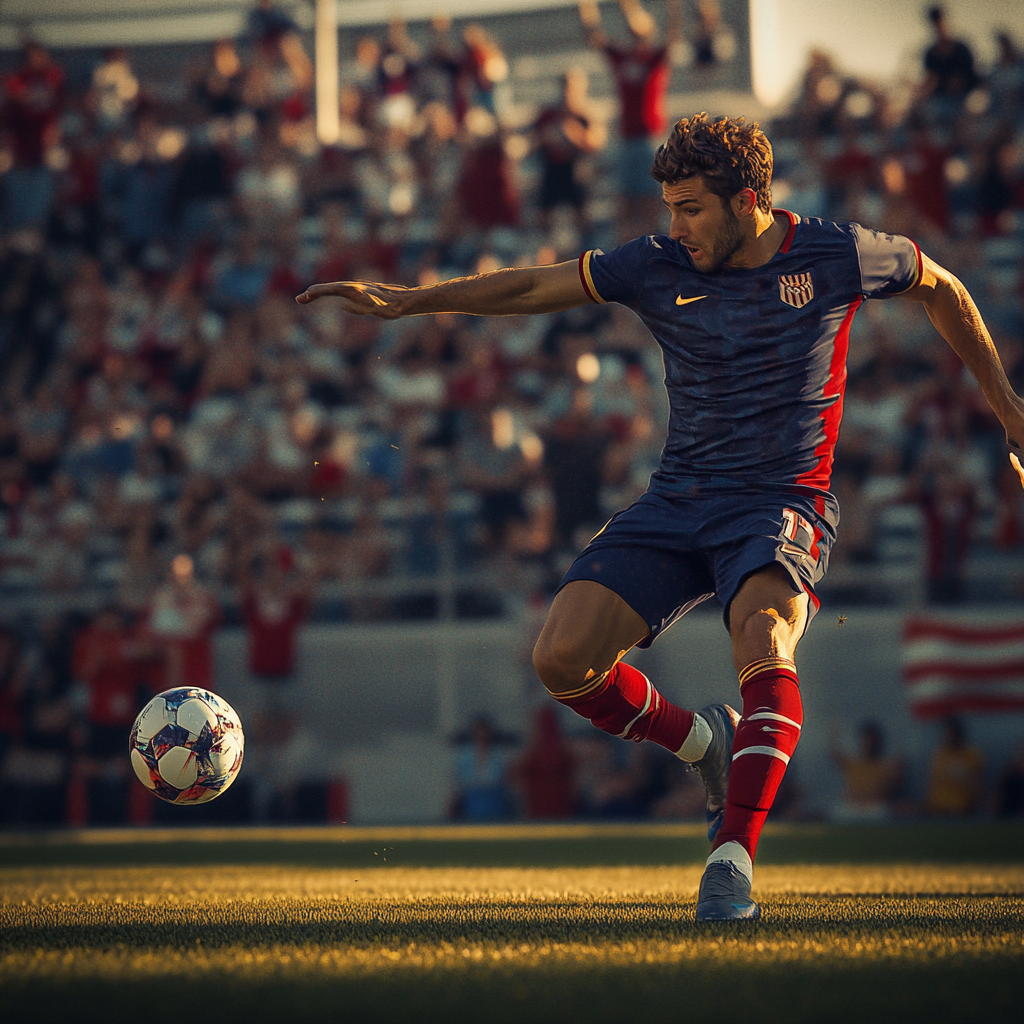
[(214, 927)]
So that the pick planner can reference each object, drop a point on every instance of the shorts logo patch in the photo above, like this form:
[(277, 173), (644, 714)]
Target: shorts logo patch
[(796, 289), (798, 536)]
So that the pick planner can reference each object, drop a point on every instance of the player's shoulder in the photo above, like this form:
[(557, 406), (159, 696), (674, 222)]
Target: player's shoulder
[(640, 251), (624, 273), (818, 231), (806, 232)]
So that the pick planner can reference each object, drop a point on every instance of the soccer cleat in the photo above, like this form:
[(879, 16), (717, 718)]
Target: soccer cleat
[(713, 767), (725, 894)]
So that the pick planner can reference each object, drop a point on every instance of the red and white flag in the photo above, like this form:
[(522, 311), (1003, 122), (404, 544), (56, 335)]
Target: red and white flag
[(951, 668)]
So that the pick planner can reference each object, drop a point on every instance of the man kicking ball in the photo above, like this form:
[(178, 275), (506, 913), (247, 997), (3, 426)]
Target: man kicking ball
[(752, 309)]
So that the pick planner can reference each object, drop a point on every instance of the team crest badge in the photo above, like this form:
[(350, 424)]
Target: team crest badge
[(796, 289)]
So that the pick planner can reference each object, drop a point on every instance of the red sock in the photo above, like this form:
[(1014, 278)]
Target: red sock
[(627, 705), (765, 740)]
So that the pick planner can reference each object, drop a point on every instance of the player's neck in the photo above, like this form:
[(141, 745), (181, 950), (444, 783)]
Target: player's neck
[(764, 235)]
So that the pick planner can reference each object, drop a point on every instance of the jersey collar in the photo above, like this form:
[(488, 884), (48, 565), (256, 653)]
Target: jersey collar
[(791, 233)]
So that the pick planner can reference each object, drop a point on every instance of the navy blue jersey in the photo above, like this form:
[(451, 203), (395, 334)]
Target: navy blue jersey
[(755, 358)]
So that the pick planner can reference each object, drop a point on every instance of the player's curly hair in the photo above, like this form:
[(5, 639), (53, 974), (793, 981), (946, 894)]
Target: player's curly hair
[(729, 154)]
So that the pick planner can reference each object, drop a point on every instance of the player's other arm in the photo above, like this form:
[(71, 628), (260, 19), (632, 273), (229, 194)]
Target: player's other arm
[(952, 310), (501, 293)]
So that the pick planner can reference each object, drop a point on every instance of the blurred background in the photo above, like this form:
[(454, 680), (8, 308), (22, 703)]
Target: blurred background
[(352, 529)]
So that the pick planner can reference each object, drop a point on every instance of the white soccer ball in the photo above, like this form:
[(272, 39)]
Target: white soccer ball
[(186, 745)]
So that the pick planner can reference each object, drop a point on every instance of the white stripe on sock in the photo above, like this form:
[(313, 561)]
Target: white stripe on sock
[(646, 708), (734, 854), (771, 716), (770, 751), (697, 741)]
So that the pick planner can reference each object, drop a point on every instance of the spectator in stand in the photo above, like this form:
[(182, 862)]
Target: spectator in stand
[(615, 781), (483, 68), (111, 668), (275, 608), (481, 786), (267, 24), (218, 90), (1010, 788), (487, 187), (180, 623), (33, 736), (545, 772), (712, 41), (955, 785), (115, 89), (574, 450), (32, 104), (871, 780), (565, 134), (948, 62), (12, 691), (641, 72), (494, 467), (949, 504)]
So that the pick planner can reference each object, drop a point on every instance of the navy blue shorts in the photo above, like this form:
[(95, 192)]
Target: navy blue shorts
[(664, 555)]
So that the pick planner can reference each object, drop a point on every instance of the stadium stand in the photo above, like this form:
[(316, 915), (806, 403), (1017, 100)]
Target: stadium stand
[(162, 395)]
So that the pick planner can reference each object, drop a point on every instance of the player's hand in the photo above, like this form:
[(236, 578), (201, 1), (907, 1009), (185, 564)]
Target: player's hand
[(360, 297), (1015, 462)]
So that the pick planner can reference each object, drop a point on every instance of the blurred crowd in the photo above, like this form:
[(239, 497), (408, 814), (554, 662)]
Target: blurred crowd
[(182, 445), (553, 776)]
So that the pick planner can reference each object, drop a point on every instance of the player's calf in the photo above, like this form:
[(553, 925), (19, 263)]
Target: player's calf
[(622, 701), (578, 659)]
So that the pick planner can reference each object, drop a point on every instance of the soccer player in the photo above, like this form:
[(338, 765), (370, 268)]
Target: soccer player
[(752, 308)]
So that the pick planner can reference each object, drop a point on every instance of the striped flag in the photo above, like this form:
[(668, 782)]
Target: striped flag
[(953, 668)]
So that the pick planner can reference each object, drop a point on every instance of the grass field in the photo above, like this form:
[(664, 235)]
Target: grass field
[(509, 924)]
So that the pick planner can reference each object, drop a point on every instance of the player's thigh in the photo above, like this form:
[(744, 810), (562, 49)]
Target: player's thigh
[(587, 630), (767, 616)]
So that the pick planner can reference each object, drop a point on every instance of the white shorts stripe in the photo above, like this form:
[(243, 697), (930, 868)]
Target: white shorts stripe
[(772, 717), (646, 708), (770, 751)]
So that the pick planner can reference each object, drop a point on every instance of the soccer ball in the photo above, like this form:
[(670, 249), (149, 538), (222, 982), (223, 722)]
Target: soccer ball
[(186, 745)]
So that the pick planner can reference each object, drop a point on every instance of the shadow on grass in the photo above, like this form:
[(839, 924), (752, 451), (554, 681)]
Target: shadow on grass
[(939, 992)]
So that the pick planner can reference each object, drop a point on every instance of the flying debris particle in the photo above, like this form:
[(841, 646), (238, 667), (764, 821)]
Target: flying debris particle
[(395, 446), (840, 621), (316, 463)]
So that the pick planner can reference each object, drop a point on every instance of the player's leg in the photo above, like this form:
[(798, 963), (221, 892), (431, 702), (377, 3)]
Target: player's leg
[(578, 659), (767, 617)]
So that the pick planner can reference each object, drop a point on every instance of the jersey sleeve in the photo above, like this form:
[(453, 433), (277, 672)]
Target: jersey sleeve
[(616, 276), (889, 264)]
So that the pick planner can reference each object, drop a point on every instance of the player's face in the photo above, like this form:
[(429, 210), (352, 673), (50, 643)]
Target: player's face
[(702, 222)]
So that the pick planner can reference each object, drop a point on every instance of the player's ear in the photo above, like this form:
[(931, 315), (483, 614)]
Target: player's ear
[(744, 202)]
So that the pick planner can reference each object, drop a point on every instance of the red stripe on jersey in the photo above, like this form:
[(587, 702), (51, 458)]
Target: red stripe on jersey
[(820, 475), (583, 279), (791, 233)]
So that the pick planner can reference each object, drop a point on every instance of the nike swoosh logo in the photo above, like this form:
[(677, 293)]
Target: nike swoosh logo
[(680, 301)]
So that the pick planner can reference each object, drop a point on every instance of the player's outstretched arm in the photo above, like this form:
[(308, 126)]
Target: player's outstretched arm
[(501, 293), (952, 310)]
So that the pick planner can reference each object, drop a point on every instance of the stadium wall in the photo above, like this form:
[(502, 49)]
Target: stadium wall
[(378, 704)]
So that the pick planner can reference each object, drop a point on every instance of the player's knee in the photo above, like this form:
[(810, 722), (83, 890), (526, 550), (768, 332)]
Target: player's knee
[(559, 664), (763, 633)]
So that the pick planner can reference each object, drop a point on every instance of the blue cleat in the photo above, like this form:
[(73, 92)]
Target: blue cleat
[(725, 894), (713, 767)]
